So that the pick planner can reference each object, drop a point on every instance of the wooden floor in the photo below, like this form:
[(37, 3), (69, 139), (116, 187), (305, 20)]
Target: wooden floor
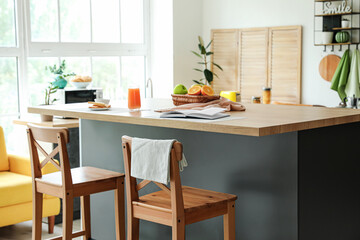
[(22, 231)]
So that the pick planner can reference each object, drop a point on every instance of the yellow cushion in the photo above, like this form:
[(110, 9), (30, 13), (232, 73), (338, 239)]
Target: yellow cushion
[(4, 162), (14, 189), (23, 212)]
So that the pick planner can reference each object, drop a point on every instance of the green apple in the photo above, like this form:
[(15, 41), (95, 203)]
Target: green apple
[(180, 89)]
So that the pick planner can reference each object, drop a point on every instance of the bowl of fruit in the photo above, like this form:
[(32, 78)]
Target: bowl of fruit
[(196, 94)]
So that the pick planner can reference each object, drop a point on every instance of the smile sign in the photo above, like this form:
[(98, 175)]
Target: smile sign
[(342, 8)]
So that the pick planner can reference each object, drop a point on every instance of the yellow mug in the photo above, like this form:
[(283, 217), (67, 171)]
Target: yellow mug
[(231, 95)]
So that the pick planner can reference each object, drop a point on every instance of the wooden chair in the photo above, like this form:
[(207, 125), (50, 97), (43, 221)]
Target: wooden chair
[(176, 206), (69, 183)]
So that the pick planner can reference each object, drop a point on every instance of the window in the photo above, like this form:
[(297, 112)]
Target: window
[(107, 40), (94, 37)]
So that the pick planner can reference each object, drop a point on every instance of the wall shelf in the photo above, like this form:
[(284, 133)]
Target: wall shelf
[(335, 44), (336, 14), (328, 0), (349, 29), (333, 23)]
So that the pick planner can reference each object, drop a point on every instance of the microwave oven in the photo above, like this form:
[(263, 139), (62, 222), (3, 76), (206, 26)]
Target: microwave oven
[(69, 95)]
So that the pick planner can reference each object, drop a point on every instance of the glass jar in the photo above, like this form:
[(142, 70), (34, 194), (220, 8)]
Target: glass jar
[(256, 100), (266, 95)]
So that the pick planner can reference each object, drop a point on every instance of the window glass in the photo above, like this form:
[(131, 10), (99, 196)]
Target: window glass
[(38, 78), (15, 136), (105, 21), (7, 23), (106, 75), (8, 85), (78, 65), (75, 20), (132, 73), (44, 20), (132, 21)]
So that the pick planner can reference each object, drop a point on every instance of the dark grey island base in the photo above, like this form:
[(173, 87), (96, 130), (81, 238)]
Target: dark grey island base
[(300, 185)]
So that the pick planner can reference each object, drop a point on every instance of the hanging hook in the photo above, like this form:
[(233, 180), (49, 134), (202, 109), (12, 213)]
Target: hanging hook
[(332, 48), (357, 46), (340, 48), (349, 47), (324, 48)]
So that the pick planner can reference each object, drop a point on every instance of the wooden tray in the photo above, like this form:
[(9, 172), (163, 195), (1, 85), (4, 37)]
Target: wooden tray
[(181, 99)]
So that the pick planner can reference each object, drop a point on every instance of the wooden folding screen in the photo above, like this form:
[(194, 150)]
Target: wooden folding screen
[(257, 57)]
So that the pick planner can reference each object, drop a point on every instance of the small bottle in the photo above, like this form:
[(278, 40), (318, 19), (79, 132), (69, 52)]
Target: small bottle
[(266, 95), (256, 100)]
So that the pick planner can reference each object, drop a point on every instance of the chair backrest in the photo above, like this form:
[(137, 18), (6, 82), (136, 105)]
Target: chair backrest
[(175, 190), (4, 161), (59, 136)]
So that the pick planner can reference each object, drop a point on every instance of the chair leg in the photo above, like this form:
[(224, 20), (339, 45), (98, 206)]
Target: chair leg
[(51, 224), (120, 210), (178, 229), (37, 215), (68, 205), (85, 216), (133, 228), (229, 222)]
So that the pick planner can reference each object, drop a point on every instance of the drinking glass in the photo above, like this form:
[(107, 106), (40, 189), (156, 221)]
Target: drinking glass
[(134, 102)]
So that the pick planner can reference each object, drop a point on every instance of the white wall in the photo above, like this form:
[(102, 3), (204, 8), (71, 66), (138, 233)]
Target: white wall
[(162, 65), (264, 13), (188, 15)]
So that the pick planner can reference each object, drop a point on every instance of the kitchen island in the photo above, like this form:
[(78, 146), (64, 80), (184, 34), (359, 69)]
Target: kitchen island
[(294, 169)]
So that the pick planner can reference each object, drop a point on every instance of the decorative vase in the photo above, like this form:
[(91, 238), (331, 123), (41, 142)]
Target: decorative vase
[(327, 37), (345, 24), (60, 81), (342, 37)]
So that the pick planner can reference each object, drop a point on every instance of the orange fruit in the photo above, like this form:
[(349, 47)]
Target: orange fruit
[(207, 91), (195, 90)]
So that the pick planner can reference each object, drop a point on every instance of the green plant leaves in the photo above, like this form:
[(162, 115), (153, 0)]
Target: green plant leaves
[(195, 53), (201, 41), (217, 66), (208, 75), (209, 44), (198, 82)]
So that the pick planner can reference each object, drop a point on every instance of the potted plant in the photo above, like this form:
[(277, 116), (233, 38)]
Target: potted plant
[(59, 76), (205, 63), (51, 89), (345, 23)]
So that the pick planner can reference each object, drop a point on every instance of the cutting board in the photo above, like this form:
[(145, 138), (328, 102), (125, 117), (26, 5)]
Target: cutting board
[(328, 66)]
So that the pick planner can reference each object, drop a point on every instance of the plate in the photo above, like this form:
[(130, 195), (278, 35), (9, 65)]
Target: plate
[(99, 109)]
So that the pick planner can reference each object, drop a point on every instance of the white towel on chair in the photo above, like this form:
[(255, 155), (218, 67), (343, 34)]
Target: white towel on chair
[(150, 159)]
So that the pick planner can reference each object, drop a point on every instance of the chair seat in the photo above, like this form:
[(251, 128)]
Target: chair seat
[(89, 179), (194, 199)]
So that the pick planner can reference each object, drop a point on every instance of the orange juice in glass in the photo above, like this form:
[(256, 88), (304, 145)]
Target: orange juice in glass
[(134, 102)]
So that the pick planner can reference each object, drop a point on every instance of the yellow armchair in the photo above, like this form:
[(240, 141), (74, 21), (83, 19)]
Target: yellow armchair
[(16, 189)]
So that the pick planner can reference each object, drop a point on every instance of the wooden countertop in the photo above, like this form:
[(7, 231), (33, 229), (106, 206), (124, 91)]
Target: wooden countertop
[(57, 122), (257, 120)]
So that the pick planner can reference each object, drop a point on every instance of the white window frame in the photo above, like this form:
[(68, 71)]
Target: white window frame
[(26, 48)]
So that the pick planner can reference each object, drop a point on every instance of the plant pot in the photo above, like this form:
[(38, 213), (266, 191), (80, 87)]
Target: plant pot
[(345, 24), (46, 118), (327, 37), (60, 82)]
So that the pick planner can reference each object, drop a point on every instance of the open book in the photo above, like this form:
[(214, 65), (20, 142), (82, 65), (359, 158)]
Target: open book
[(209, 113)]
